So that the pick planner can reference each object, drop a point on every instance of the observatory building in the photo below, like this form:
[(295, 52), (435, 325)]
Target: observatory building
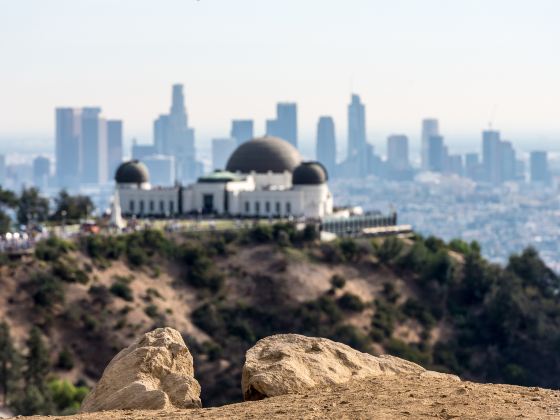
[(264, 177)]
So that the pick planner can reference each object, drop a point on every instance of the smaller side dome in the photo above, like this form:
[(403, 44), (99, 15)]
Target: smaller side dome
[(310, 173), (132, 172)]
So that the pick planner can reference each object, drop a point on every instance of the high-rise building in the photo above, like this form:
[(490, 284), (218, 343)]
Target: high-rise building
[(325, 148), (430, 127), (94, 146), (491, 156), (285, 125), (242, 130), (508, 161), (397, 152), (222, 149), (161, 169), (141, 151), (174, 137), (455, 165), (41, 172), (356, 127), (68, 147), (540, 172), (472, 166), (161, 135), (114, 146), (436, 154)]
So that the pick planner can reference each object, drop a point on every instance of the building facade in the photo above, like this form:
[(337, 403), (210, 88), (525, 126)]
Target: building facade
[(285, 125), (264, 177), (325, 147)]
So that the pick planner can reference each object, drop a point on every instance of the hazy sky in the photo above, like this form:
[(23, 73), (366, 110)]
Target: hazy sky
[(459, 60)]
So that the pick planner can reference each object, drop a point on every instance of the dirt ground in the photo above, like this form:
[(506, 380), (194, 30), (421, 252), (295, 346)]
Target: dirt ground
[(379, 398)]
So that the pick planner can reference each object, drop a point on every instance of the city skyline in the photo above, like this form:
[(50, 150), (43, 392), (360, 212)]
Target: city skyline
[(432, 63)]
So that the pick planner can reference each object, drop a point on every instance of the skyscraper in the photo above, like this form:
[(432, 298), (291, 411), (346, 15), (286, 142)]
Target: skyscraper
[(436, 154), (41, 172), (142, 151), (222, 149), (508, 161), (325, 148), (174, 137), (430, 127), (161, 169), (491, 156), (285, 125), (397, 152), (94, 146), (539, 167), (114, 146), (356, 127), (161, 135), (472, 166), (242, 130), (68, 147)]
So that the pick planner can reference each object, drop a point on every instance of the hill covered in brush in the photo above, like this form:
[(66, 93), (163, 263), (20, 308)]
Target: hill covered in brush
[(439, 304)]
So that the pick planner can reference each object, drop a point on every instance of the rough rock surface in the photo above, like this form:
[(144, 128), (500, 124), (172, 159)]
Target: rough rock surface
[(156, 372), (378, 398), (293, 364)]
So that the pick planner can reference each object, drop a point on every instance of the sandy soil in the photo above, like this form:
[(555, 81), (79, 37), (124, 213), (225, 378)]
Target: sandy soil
[(379, 398)]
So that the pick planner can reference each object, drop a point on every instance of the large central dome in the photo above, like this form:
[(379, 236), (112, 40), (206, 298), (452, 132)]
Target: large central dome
[(264, 154)]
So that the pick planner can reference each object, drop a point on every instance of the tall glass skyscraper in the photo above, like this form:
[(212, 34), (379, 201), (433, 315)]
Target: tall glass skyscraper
[(242, 130), (68, 147), (174, 137), (430, 127), (539, 167), (397, 152), (114, 146), (94, 146), (285, 125), (325, 148), (356, 127)]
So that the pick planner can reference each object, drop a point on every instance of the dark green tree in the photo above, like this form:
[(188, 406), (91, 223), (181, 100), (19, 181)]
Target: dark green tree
[(8, 200), (72, 207), (10, 372), (37, 361), (32, 206)]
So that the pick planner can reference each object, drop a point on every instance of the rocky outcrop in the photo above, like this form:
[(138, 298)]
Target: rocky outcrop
[(292, 364), (156, 372)]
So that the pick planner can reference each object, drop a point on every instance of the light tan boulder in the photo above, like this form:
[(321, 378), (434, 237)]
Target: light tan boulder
[(154, 373), (292, 364)]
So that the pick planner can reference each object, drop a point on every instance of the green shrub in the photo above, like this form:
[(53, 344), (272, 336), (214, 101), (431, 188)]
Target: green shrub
[(122, 290), (406, 351), (389, 249), (152, 311), (351, 303), (261, 233), (46, 290), (65, 360), (349, 249), (52, 249), (337, 281), (66, 397)]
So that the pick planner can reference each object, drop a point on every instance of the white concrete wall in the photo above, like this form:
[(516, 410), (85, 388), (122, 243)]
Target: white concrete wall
[(149, 202)]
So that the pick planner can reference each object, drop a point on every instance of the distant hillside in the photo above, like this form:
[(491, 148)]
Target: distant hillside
[(440, 305)]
